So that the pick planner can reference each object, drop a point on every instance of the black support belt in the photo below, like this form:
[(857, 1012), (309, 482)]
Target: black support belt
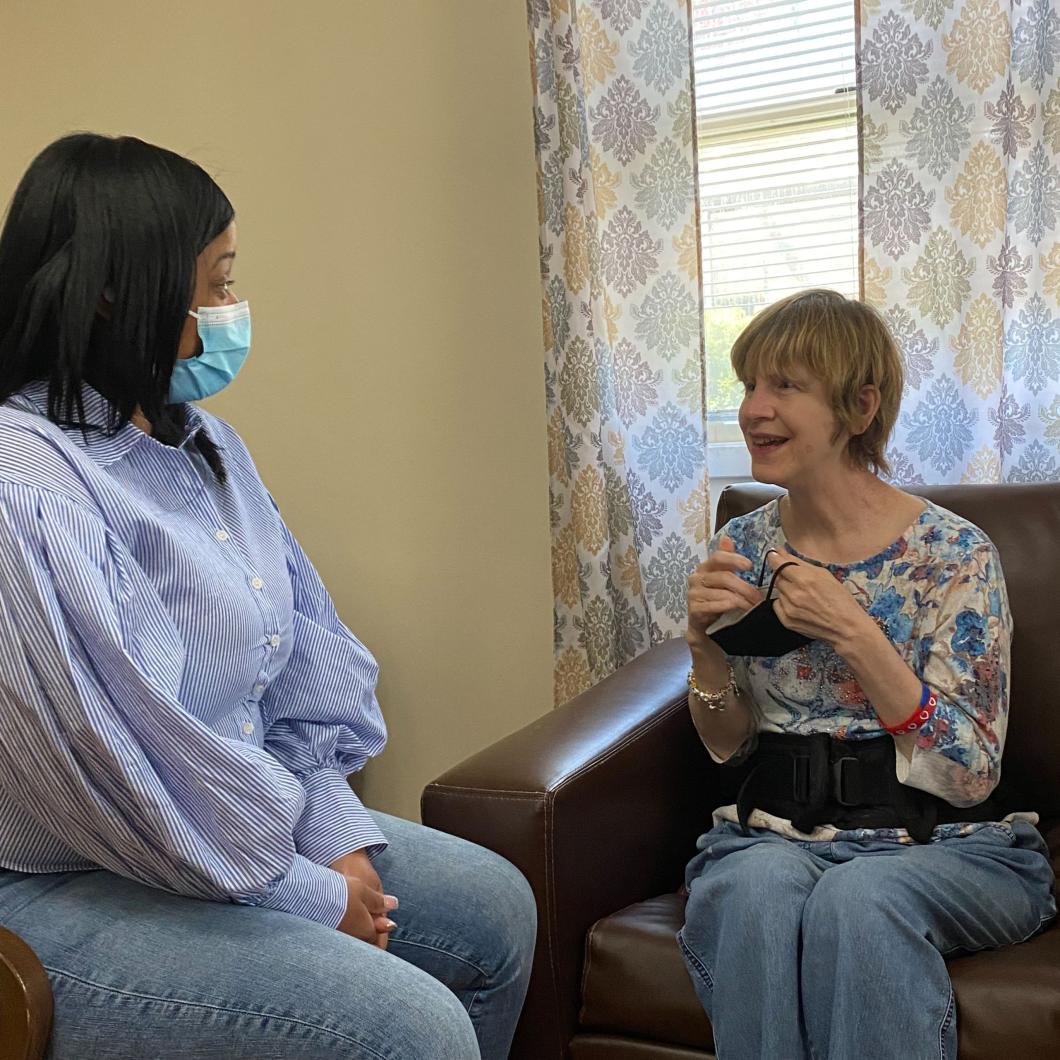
[(817, 779)]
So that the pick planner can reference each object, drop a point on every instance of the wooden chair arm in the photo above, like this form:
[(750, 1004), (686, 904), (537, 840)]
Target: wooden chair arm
[(25, 1001)]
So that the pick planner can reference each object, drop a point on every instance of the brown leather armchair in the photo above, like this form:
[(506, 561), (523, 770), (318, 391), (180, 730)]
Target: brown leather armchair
[(600, 802)]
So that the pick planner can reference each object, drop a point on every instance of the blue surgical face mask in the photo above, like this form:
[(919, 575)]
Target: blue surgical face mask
[(225, 334)]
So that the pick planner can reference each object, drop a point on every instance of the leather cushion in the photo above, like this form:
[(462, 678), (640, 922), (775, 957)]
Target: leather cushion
[(610, 1047), (635, 983)]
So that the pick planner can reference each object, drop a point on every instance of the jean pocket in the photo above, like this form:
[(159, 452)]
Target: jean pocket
[(1000, 832), (1019, 834)]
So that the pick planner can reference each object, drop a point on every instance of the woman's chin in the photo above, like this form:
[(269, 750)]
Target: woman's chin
[(762, 472)]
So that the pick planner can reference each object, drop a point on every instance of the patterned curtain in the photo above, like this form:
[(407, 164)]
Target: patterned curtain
[(623, 324), (960, 129)]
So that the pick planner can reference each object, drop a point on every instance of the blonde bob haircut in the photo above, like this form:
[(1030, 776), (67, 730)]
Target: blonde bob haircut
[(840, 341)]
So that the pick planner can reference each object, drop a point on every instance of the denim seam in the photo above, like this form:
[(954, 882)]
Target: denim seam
[(701, 969), (11, 913), (471, 1004), (1004, 946), (404, 941), (187, 1003), (693, 959), (946, 1018)]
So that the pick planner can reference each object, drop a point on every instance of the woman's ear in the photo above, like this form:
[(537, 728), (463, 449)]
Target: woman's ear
[(868, 406)]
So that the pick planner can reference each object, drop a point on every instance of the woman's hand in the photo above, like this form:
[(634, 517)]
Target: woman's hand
[(365, 913), (366, 900), (715, 587), (809, 600), (358, 865)]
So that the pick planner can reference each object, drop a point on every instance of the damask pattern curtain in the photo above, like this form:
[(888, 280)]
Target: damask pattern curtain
[(622, 323), (960, 129)]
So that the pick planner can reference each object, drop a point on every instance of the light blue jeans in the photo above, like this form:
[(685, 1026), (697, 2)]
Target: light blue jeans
[(836, 950), (143, 975)]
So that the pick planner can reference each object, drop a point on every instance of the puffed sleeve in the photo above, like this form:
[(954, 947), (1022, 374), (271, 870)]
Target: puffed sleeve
[(97, 747), (322, 720), (962, 654)]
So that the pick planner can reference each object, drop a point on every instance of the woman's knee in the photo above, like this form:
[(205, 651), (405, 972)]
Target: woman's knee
[(431, 1023), (484, 899), (754, 891), (762, 876), (394, 1008), (274, 983), (858, 898), (504, 906), (410, 1015)]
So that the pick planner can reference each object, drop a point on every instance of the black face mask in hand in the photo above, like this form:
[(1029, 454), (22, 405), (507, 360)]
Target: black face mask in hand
[(759, 631)]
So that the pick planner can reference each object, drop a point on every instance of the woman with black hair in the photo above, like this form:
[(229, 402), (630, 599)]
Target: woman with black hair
[(180, 704)]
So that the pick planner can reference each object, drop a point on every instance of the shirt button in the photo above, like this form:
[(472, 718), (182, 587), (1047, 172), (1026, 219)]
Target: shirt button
[(256, 583), (248, 729), (221, 535), (258, 689), (274, 640)]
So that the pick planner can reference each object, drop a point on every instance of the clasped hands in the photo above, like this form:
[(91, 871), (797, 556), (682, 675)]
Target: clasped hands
[(367, 907), (807, 598)]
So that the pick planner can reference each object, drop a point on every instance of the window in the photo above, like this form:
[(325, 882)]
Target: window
[(776, 123)]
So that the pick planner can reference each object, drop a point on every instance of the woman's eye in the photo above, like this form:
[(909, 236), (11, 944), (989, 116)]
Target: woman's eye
[(748, 387)]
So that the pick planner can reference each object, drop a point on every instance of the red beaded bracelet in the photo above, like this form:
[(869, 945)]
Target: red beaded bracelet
[(928, 702)]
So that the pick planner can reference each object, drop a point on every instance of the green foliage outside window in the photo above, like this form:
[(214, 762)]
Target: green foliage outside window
[(721, 326)]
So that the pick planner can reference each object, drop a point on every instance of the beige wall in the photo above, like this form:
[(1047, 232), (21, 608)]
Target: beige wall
[(380, 159)]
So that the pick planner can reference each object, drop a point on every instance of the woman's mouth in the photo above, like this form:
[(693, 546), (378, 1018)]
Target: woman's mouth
[(766, 443)]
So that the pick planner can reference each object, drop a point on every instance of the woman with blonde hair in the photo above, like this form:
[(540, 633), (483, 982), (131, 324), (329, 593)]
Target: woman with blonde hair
[(850, 652)]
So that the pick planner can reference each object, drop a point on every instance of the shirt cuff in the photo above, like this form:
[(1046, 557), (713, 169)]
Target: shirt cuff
[(334, 821), (310, 891)]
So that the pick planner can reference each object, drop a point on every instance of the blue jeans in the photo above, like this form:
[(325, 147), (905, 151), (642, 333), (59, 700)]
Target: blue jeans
[(836, 950), (138, 973)]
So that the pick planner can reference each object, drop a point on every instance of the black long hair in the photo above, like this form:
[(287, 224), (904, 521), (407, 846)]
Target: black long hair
[(114, 220)]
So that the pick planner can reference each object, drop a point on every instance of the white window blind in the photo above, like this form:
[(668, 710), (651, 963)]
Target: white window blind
[(776, 123)]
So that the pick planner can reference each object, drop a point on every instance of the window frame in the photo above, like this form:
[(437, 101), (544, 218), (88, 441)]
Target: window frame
[(831, 110)]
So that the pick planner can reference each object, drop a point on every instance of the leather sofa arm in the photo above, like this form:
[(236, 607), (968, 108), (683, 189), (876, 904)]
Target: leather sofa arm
[(25, 1001), (599, 804)]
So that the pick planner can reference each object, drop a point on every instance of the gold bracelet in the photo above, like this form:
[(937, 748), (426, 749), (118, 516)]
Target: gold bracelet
[(717, 700)]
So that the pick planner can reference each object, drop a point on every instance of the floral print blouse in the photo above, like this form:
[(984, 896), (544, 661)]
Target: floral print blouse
[(938, 594)]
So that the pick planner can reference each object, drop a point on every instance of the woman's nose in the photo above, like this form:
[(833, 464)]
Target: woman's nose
[(756, 405)]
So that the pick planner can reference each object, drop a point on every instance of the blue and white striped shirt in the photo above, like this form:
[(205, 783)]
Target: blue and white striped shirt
[(179, 702)]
